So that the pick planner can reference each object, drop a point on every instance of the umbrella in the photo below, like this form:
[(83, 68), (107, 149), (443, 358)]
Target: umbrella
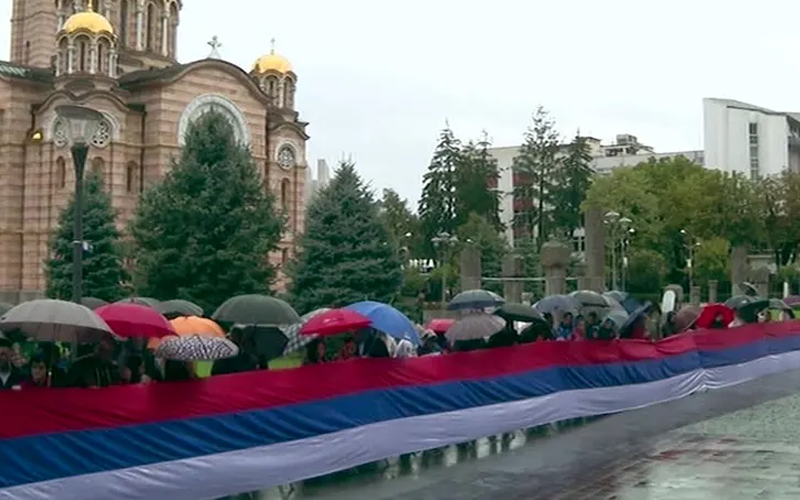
[(791, 300), (779, 304), (256, 310), (738, 301), (588, 298), (440, 325), (554, 303), (142, 301), (616, 295), (4, 307), (47, 320), (685, 318), (617, 316), (93, 303), (191, 325), (749, 311), (749, 289), (196, 348), (134, 320), (708, 316), (292, 333), (519, 312), (624, 300), (475, 299), (626, 329), (334, 322), (388, 320), (474, 326), (177, 307)]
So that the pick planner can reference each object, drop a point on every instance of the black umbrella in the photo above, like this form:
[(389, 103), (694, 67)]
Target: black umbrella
[(558, 303), (256, 310), (475, 299), (267, 342), (749, 311), (519, 312), (626, 329), (142, 301), (93, 303), (177, 307)]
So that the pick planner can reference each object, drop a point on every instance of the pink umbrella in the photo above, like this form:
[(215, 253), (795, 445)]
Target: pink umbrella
[(440, 325), (334, 322), (133, 320)]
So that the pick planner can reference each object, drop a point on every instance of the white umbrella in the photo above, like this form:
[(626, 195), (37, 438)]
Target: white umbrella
[(196, 348), (475, 326), (49, 320)]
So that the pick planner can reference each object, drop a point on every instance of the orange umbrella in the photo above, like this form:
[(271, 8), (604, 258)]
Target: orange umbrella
[(191, 325)]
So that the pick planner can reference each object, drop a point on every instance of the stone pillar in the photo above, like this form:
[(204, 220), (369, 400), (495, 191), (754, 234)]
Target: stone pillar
[(470, 261), (584, 281), (694, 295), (713, 291), (555, 259), (140, 27), (595, 250), (739, 269), (512, 268), (760, 279)]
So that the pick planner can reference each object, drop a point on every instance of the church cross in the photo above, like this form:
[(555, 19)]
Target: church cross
[(272, 45), (215, 45)]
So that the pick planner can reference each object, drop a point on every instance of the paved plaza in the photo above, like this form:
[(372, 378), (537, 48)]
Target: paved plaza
[(741, 442)]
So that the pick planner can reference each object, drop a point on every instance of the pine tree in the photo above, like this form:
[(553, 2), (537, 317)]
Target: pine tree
[(204, 232), (347, 254), (103, 273), (476, 184), (534, 168), (438, 203), (572, 181)]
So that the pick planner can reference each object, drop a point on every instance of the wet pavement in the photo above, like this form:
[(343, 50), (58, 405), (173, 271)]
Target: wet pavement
[(741, 442)]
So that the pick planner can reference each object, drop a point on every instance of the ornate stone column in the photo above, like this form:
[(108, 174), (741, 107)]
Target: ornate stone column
[(470, 263), (58, 62), (739, 268), (555, 259), (112, 63), (140, 26), (713, 291), (93, 62), (512, 268), (70, 57), (165, 33)]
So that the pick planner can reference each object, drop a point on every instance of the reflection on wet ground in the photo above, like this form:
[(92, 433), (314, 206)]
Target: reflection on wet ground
[(742, 442)]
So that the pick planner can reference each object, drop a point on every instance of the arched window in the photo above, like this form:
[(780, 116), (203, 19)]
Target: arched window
[(285, 193), (123, 23), (288, 93), (83, 54), (150, 26), (61, 172), (173, 34), (130, 177), (98, 167), (63, 56), (101, 64), (272, 89), (284, 256)]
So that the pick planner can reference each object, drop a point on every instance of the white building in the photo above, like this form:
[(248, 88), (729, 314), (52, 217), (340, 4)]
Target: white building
[(314, 184), (626, 150), (748, 139)]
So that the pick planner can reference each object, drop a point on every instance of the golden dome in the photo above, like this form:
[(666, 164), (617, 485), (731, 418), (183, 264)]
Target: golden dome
[(272, 62), (88, 20)]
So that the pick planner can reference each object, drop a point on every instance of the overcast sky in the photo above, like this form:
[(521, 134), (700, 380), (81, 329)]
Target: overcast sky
[(378, 79)]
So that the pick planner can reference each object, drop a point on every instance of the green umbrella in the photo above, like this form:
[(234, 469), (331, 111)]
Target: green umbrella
[(256, 310), (738, 301), (177, 307), (519, 312), (93, 303), (749, 311)]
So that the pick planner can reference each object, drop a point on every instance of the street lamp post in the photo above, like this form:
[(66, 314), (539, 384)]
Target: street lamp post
[(690, 243), (82, 123), (442, 241), (618, 226)]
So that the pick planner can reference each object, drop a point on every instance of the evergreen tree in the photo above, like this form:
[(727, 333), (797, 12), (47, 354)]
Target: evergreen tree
[(534, 166), (572, 181), (204, 232), (438, 203), (476, 184), (103, 273), (400, 221), (347, 254)]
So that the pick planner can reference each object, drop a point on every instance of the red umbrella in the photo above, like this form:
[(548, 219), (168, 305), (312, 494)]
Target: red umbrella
[(440, 325), (334, 322), (133, 320), (710, 313)]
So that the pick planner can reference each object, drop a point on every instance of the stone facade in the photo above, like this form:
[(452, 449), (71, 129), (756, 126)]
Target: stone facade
[(147, 99)]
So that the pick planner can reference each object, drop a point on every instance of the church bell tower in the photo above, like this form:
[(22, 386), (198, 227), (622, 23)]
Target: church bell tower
[(33, 26)]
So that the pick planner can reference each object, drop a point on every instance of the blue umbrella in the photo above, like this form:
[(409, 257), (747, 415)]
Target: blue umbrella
[(388, 320)]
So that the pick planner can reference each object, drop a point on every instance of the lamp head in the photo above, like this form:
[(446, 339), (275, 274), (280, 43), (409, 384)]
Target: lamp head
[(82, 122)]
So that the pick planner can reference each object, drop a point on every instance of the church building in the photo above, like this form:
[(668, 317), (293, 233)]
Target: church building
[(119, 57)]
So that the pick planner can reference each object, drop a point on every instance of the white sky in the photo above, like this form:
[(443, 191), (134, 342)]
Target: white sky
[(378, 79)]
